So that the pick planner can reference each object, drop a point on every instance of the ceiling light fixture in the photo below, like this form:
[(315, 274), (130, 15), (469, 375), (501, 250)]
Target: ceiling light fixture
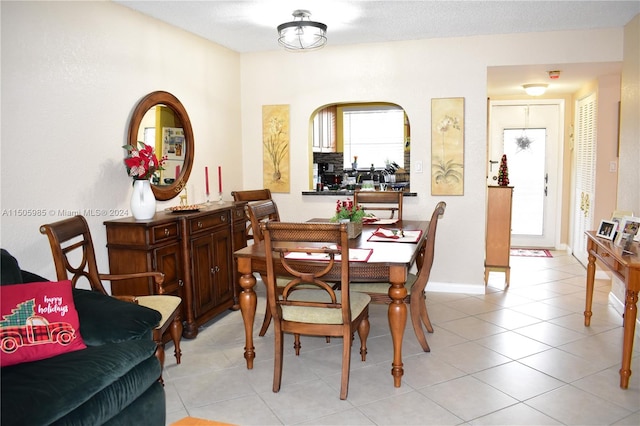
[(302, 34), (535, 89)]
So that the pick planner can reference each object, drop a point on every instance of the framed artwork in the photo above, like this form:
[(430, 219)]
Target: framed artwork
[(607, 229), (275, 147), (628, 231), (447, 146)]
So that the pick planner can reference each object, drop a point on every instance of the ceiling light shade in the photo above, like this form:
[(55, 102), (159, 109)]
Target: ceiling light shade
[(302, 34), (535, 89)]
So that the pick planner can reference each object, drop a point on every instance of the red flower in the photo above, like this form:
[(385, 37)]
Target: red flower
[(142, 163)]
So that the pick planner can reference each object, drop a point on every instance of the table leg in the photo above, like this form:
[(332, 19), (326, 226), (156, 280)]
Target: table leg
[(397, 319), (630, 314), (248, 301), (591, 275)]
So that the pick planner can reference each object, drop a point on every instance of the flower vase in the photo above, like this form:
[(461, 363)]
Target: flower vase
[(354, 229), (143, 202)]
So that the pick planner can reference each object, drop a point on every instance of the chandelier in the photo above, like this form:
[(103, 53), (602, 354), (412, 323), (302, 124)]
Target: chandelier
[(302, 34)]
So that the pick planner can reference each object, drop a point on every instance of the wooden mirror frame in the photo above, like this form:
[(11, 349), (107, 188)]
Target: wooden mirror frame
[(165, 192)]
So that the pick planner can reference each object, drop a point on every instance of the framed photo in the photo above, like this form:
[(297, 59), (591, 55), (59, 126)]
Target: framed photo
[(607, 229), (618, 215), (628, 230)]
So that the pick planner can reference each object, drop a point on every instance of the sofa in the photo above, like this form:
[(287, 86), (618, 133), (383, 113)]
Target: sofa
[(113, 381)]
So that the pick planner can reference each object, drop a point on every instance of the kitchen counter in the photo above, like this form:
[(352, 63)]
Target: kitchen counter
[(344, 192)]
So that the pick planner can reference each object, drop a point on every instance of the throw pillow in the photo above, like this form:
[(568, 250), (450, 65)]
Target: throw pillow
[(38, 321)]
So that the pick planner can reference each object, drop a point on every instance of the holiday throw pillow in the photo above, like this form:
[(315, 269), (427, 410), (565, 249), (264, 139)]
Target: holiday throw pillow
[(37, 321)]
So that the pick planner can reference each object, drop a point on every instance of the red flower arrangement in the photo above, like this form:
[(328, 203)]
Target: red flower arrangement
[(347, 210), (142, 163)]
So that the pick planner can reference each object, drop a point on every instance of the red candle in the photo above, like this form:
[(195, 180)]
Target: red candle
[(177, 172), (220, 179), (206, 178)]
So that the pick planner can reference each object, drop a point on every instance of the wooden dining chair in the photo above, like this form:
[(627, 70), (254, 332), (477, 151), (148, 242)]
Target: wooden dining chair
[(73, 254), (416, 283), (263, 211), (251, 195), (317, 311), (390, 201)]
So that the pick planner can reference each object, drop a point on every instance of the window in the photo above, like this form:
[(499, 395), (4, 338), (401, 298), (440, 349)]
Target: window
[(374, 134)]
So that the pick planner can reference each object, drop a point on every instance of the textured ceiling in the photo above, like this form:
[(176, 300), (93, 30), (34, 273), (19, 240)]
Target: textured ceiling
[(250, 26)]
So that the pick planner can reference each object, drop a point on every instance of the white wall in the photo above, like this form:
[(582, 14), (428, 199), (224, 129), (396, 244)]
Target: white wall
[(409, 74), (72, 73)]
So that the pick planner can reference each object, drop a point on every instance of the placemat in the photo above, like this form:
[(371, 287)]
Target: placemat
[(355, 255), (395, 235)]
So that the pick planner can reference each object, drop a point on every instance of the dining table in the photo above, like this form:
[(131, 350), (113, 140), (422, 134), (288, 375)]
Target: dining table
[(394, 248)]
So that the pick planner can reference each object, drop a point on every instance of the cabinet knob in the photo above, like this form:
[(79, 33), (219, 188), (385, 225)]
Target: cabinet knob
[(215, 269), (223, 218), (199, 224), (180, 283), (166, 232)]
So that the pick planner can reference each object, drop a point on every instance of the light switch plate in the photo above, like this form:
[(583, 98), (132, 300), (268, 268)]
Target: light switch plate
[(418, 167)]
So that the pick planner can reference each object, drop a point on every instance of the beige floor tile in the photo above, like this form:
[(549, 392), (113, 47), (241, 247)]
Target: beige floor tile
[(468, 398), (574, 406), (519, 381)]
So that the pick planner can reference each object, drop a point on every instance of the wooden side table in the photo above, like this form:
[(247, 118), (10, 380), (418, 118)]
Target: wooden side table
[(627, 269)]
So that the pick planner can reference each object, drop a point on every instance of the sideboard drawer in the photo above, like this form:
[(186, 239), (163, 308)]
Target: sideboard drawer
[(164, 232), (204, 223)]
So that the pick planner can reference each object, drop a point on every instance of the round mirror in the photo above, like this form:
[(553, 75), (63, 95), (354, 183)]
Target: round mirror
[(160, 120)]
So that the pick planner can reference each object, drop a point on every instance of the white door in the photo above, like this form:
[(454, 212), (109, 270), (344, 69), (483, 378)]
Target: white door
[(585, 163), (530, 134)]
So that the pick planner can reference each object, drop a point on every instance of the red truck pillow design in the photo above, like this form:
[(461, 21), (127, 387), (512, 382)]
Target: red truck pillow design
[(38, 321)]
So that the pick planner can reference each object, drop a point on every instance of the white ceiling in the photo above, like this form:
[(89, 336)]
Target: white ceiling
[(250, 26)]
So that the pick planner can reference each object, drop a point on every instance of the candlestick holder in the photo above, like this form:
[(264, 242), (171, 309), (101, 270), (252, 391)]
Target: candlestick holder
[(220, 198), (207, 198)]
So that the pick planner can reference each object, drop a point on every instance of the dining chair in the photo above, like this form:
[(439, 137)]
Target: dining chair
[(73, 253), (380, 200), (263, 211), (416, 283), (317, 311), (251, 195)]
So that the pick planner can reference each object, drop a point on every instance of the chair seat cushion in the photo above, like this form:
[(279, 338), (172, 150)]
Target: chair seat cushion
[(383, 288), (312, 315), (164, 304)]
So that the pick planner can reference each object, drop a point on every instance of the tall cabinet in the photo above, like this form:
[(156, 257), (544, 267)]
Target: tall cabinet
[(193, 250), (498, 235)]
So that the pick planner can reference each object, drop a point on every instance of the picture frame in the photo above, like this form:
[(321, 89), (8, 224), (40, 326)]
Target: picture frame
[(628, 231), (607, 229)]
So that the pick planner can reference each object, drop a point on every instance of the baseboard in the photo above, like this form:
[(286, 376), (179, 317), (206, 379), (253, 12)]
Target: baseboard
[(438, 287)]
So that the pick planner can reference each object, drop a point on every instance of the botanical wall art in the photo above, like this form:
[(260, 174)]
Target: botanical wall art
[(275, 147), (447, 146)]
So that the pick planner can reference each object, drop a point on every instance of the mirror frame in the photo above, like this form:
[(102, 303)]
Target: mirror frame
[(165, 192)]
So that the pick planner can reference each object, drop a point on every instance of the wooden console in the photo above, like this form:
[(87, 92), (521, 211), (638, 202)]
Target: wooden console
[(194, 251)]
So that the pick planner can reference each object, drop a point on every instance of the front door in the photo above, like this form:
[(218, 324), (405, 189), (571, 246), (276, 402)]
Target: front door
[(530, 134)]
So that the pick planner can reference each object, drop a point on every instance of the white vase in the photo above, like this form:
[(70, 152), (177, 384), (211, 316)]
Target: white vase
[(143, 202)]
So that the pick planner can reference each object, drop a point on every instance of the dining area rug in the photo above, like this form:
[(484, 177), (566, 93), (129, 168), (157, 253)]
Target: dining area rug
[(524, 252)]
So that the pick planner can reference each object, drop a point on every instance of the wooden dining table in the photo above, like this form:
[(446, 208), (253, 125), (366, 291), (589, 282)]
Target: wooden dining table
[(389, 262)]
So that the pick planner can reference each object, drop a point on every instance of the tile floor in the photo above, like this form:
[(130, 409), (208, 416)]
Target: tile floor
[(520, 356)]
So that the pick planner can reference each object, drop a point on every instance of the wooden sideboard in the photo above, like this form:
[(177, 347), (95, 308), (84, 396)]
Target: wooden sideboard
[(193, 250), (498, 238)]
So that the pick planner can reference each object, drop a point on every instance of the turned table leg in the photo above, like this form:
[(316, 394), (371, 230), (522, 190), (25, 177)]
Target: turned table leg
[(630, 314), (397, 319), (248, 301)]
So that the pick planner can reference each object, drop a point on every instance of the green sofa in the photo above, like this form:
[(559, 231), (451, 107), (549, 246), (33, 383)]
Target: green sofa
[(113, 381)]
